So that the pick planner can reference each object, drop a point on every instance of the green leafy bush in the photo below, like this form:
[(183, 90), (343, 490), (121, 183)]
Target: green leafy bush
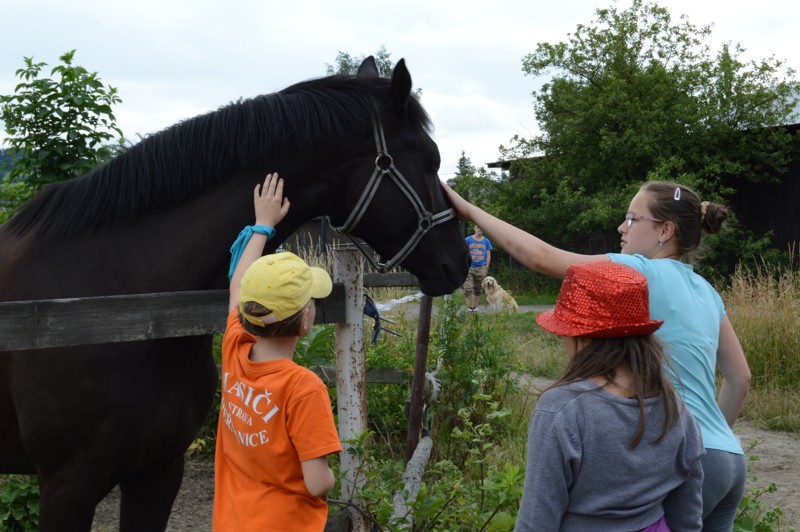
[(19, 503), (753, 516)]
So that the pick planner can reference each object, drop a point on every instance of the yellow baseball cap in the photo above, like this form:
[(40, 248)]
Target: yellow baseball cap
[(283, 283)]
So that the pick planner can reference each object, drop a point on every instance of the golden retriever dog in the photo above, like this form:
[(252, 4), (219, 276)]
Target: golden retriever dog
[(497, 297)]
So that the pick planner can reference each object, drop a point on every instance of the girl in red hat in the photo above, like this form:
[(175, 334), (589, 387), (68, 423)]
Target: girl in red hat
[(659, 236), (610, 444)]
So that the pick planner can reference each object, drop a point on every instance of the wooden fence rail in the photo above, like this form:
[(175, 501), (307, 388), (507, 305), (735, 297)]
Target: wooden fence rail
[(124, 318)]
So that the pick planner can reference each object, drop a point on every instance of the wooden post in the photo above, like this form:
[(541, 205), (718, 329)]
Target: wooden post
[(418, 378), (348, 269)]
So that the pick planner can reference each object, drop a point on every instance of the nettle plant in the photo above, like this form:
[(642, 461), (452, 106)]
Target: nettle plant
[(465, 486)]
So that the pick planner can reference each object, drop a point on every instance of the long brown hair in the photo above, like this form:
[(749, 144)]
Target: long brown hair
[(645, 357)]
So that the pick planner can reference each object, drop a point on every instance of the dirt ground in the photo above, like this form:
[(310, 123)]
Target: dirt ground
[(778, 461), (778, 452)]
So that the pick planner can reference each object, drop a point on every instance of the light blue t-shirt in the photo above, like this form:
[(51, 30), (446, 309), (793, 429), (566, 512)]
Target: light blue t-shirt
[(692, 310)]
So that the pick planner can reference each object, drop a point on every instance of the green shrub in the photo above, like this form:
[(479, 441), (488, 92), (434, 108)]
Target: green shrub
[(752, 515), (19, 503), (464, 487)]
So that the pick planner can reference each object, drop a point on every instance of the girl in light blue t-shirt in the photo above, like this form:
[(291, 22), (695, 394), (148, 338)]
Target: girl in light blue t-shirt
[(659, 235)]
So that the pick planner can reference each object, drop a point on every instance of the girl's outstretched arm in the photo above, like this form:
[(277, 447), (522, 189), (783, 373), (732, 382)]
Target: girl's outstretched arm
[(531, 251)]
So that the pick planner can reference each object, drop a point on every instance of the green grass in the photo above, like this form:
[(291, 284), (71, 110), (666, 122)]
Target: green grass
[(764, 308), (542, 298)]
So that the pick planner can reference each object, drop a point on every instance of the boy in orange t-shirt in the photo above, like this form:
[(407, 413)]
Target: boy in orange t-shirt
[(276, 423)]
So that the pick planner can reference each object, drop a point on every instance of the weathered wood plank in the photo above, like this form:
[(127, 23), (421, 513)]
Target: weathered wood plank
[(125, 318)]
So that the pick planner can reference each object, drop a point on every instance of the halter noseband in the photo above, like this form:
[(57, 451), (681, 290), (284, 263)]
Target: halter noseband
[(384, 165)]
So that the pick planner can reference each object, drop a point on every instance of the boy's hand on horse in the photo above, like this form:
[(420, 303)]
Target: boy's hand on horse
[(270, 205)]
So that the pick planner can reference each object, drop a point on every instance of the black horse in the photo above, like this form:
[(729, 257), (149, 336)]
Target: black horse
[(160, 218)]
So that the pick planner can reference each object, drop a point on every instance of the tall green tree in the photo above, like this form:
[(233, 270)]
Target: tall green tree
[(637, 95), (57, 127), (347, 64), (475, 184)]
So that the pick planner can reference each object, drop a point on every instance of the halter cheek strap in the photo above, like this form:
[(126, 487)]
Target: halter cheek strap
[(384, 166)]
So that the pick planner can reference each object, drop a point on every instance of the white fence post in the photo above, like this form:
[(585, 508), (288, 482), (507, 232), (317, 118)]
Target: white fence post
[(348, 269)]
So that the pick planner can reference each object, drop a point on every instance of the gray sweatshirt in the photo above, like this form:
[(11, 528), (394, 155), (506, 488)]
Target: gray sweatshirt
[(581, 475)]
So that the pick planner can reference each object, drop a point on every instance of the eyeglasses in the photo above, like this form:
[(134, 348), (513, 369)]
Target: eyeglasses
[(630, 218)]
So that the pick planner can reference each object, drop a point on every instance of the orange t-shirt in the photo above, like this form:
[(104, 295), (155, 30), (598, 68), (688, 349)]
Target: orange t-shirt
[(272, 416)]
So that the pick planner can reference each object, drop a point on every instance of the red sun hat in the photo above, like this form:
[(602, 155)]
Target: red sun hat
[(601, 300)]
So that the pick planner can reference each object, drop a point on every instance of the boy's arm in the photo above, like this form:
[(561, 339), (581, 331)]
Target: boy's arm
[(318, 476), (270, 209)]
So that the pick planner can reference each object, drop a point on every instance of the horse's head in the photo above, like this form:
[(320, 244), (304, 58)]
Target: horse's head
[(394, 200)]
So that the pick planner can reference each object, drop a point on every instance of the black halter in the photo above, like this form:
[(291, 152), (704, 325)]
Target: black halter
[(384, 165)]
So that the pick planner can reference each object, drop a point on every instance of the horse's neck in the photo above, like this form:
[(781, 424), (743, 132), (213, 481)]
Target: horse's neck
[(189, 245), (185, 247), (181, 248)]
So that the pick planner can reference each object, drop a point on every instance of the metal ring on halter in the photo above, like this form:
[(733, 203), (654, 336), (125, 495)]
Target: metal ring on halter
[(382, 156), (426, 223)]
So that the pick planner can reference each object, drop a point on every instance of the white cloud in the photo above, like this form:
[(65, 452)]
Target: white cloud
[(172, 60)]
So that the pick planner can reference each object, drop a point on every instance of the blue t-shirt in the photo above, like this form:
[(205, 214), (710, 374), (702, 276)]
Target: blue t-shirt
[(692, 310), (478, 250)]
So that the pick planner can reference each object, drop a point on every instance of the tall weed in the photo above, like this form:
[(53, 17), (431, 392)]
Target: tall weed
[(764, 308), (472, 360)]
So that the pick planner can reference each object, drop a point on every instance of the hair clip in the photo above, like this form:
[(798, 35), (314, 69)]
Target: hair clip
[(677, 195)]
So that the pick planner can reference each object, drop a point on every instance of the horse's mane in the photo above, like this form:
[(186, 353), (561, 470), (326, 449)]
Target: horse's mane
[(178, 162)]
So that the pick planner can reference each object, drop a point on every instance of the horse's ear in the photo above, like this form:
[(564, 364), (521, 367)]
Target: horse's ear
[(401, 84), (368, 68)]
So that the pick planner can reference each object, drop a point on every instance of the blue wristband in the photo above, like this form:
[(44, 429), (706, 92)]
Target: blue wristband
[(264, 230), (241, 242)]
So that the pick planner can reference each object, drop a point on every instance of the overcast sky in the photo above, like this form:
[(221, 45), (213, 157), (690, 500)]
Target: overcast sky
[(175, 59)]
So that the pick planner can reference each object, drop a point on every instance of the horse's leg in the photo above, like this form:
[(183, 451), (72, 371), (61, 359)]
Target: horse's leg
[(147, 496), (67, 504), (14, 457), (147, 493), (96, 416)]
